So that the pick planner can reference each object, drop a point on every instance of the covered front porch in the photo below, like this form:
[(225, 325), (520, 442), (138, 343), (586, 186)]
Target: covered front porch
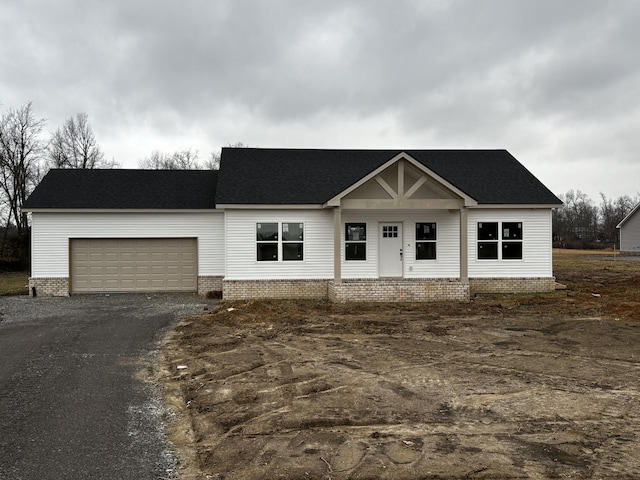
[(410, 227)]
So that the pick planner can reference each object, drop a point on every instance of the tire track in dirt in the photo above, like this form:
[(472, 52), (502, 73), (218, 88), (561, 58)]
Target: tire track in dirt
[(440, 400)]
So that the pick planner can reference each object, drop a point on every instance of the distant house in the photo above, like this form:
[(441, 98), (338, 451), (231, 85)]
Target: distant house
[(630, 231), (380, 225)]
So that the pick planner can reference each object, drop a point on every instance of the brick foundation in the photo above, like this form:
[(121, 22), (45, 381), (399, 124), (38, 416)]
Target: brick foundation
[(364, 290), (209, 284), (512, 285), (290, 289), (399, 290), (49, 287)]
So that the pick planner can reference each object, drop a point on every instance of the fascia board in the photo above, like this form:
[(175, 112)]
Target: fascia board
[(119, 210), (518, 206), (246, 206)]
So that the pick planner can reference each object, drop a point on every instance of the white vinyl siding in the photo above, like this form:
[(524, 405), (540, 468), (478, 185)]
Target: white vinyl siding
[(536, 244), (51, 233), (242, 263), (630, 234), (446, 264)]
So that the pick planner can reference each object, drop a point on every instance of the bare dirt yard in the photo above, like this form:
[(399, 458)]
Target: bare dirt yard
[(527, 386)]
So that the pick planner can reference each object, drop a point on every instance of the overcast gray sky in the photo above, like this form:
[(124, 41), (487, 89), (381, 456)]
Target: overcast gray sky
[(557, 83)]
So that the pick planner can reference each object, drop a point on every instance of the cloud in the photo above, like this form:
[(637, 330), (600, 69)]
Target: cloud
[(557, 83)]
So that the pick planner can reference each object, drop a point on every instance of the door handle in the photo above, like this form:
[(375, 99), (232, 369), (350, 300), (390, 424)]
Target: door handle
[(400, 254)]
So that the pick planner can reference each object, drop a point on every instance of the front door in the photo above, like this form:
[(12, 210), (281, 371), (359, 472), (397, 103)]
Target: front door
[(390, 250)]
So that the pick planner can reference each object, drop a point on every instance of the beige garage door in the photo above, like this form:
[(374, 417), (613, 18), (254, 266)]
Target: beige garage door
[(134, 265)]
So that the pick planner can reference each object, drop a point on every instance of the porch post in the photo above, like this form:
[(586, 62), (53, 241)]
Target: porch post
[(464, 244), (337, 240)]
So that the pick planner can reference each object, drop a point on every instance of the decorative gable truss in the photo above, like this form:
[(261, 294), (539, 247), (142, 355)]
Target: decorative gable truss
[(402, 183)]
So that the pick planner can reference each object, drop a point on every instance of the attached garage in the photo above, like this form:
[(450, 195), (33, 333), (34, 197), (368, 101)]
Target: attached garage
[(134, 265)]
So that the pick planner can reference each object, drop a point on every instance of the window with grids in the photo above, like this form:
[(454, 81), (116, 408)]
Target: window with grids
[(279, 240), (292, 241), (425, 241), (512, 240), (390, 231), (355, 236), (500, 240)]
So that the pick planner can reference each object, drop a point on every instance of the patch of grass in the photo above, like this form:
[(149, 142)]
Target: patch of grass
[(14, 283)]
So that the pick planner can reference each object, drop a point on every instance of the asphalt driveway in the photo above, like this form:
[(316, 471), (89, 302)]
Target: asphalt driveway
[(70, 404)]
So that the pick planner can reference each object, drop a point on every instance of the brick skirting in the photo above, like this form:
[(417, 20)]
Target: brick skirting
[(209, 284), (512, 285), (422, 290), (49, 286), (364, 290), (289, 289)]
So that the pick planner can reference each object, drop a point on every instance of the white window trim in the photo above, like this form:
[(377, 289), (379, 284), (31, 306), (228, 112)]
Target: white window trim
[(499, 242), (280, 242), (363, 242), (416, 241)]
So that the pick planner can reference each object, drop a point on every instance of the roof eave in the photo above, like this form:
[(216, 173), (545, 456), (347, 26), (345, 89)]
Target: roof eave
[(120, 210), (518, 205), (264, 206)]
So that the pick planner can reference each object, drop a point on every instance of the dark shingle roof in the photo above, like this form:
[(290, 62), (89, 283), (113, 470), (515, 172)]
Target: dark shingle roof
[(301, 176), (250, 176), (125, 189)]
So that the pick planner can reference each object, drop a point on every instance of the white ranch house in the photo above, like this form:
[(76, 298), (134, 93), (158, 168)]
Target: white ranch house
[(347, 225)]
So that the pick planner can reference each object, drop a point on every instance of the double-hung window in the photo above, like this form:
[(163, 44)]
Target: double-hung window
[(512, 240), (292, 241), (267, 242), (355, 236), (488, 240), (425, 241), (275, 240), (500, 240)]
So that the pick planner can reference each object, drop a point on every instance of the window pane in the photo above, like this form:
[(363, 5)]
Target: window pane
[(292, 251), (487, 230), (488, 250), (355, 231), (512, 251), (425, 231), (292, 231), (512, 230), (355, 251), (267, 231), (267, 252), (425, 250)]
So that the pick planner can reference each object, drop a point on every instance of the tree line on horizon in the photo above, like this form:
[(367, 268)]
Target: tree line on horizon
[(581, 223)]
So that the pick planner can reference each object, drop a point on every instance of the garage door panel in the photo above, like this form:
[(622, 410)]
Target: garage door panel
[(128, 265)]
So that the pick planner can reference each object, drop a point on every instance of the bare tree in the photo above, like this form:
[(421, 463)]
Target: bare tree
[(213, 162), (74, 145), (612, 213), (21, 150), (178, 160), (182, 160), (577, 219)]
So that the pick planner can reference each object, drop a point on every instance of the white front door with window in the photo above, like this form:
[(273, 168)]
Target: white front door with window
[(390, 250)]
